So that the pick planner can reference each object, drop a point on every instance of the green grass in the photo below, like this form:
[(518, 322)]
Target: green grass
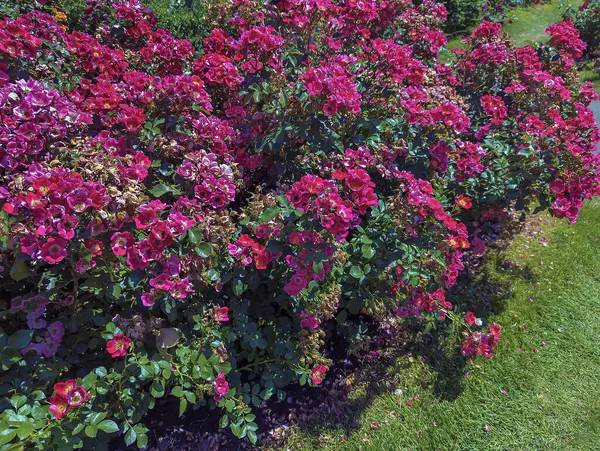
[(529, 24), (592, 74), (551, 398)]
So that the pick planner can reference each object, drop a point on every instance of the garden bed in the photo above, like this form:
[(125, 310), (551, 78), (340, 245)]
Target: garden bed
[(205, 229)]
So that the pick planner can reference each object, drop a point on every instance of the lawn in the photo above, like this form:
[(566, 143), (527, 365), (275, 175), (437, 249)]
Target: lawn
[(591, 74), (529, 24), (539, 391)]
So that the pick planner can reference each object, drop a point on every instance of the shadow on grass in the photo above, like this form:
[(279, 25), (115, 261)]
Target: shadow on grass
[(394, 360), (485, 292)]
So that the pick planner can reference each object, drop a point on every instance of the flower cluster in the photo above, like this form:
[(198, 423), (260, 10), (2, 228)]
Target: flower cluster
[(32, 117), (480, 343), (303, 262), (321, 198), (565, 37), (495, 108), (67, 395), (213, 181), (245, 249), (585, 19), (335, 86)]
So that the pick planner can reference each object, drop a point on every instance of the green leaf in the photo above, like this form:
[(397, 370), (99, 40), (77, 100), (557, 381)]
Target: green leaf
[(108, 426), (90, 380), (116, 291), (157, 390), (25, 430), (356, 272), (75, 443), (177, 391), (204, 250), (18, 400), (96, 418), (367, 251), (19, 269), (238, 287), (161, 189), (191, 397), (182, 406), (140, 429), (130, 437), (20, 339), (6, 434), (142, 441), (237, 430), (91, 431), (317, 267), (224, 421), (268, 214), (194, 235), (252, 437)]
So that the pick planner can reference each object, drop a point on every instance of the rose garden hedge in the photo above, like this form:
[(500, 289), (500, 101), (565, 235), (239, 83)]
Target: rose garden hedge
[(200, 223), (587, 20)]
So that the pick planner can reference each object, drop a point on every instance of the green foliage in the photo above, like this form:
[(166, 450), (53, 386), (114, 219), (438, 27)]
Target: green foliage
[(462, 14), (183, 18)]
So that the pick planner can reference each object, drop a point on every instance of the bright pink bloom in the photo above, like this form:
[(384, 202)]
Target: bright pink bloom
[(94, 246), (118, 346), (309, 321), (63, 389), (220, 314), (470, 318), (120, 242), (58, 406), (317, 374), (78, 396), (54, 250), (220, 386), (464, 202), (148, 299)]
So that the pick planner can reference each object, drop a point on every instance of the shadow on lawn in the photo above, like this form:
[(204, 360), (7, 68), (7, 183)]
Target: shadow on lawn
[(484, 292), (337, 405)]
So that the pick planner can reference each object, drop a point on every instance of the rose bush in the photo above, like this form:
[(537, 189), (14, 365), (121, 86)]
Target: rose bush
[(587, 20), (199, 223)]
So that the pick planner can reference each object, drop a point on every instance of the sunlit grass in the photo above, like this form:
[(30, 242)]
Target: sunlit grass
[(529, 24), (591, 74)]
